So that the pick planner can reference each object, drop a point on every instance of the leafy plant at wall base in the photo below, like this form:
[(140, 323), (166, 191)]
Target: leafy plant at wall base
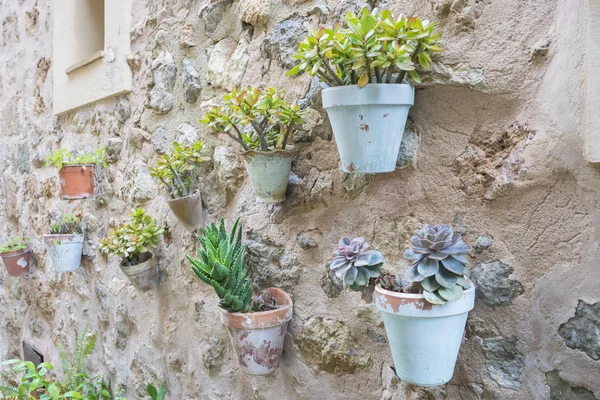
[(14, 244), (354, 264), (132, 239), (64, 157), (156, 394), (370, 47), (438, 263), (70, 224), (177, 170), (256, 119), (221, 265)]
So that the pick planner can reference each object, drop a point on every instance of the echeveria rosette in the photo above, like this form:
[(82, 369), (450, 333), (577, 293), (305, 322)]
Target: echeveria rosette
[(438, 263), (354, 264)]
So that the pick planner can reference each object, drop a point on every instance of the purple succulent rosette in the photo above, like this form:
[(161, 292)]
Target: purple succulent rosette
[(354, 264), (438, 262)]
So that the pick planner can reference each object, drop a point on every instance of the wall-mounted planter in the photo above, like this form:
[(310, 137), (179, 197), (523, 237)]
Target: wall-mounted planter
[(143, 276), (424, 338), (188, 211), (368, 124), (269, 172), (17, 262), (258, 338), (65, 251), (77, 181)]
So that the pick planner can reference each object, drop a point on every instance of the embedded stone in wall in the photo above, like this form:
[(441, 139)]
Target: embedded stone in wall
[(282, 42), (441, 74), (186, 40), (562, 390), (164, 72), (212, 14), (124, 326), (161, 140), (483, 242), (213, 354), (113, 149), (504, 362), (10, 29), (122, 110), (31, 21), (187, 133), (309, 239), (313, 96), (218, 60), (328, 345), (236, 67), (255, 12), (272, 265), (191, 81), (581, 331), (224, 180), (332, 285), (493, 284), (354, 183), (411, 140), (143, 188)]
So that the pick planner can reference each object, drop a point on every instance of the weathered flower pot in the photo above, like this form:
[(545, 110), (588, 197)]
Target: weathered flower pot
[(143, 276), (65, 251), (258, 338), (269, 172), (368, 124), (17, 262), (424, 338), (188, 211), (77, 181)]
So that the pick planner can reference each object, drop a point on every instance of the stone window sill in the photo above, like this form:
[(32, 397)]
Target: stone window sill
[(88, 60)]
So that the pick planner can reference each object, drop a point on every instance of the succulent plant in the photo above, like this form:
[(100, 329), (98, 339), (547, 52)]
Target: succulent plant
[(14, 244), (438, 263), (63, 157), (69, 225), (221, 265), (354, 264)]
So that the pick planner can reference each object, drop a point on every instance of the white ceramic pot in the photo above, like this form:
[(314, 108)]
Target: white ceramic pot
[(188, 211), (65, 251), (143, 276), (368, 124), (424, 338), (269, 172)]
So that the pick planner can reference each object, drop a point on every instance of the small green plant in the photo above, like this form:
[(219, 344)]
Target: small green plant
[(157, 394), (354, 264), (41, 383), (439, 264), (14, 244), (63, 157), (131, 240), (177, 170), (221, 265), (69, 225), (256, 119), (371, 46)]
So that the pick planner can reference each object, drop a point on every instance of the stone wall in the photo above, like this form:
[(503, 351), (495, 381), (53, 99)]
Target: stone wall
[(494, 145)]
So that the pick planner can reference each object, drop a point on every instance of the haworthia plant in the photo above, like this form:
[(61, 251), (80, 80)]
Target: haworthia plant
[(221, 265)]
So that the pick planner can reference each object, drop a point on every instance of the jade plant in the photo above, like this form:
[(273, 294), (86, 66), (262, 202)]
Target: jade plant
[(369, 47), (14, 244), (132, 240), (62, 157), (439, 264), (221, 265), (69, 225), (257, 119)]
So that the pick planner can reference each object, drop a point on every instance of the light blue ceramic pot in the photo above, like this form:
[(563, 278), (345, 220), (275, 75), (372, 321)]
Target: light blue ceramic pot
[(269, 172)]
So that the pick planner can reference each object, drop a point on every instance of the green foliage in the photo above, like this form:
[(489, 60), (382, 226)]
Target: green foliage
[(371, 46), (177, 170), (438, 263), (69, 225), (156, 394), (266, 115), (221, 265), (63, 157), (14, 244), (132, 239), (40, 382)]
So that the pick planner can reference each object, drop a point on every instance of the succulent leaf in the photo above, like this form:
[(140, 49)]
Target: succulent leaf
[(354, 264), (452, 293)]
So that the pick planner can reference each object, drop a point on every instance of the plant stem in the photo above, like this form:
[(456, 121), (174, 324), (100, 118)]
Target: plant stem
[(179, 181), (331, 72), (390, 72), (285, 136), (192, 182), (239, 138), (414, 58), (353, 77), (261, 136), (171, 188), (378, 74), (368, 67)]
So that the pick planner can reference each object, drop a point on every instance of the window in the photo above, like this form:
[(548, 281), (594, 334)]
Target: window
[(88, 32)]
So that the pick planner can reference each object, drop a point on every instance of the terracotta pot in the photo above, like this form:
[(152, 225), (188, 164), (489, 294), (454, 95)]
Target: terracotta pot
[(258, 338), (77, 181), (188, 211), (269, 172), (17, 262), (424, 338), (143, 276), (65, 251)]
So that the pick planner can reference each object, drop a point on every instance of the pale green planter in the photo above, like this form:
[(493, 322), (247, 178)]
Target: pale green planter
[(269, 172)]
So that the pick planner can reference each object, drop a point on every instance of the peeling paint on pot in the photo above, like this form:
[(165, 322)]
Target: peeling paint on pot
[(368, 124), (65, 251), (143, 276), (424, 338), (258, 338), (269, 172), (77, 181), (17, 262), (188, 211)]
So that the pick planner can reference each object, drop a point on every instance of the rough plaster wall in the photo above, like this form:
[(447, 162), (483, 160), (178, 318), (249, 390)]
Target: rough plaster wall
[(500, 155)]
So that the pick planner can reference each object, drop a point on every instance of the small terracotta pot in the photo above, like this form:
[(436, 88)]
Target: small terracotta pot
[(143, 276), (77, 181), (258, 338), (65, 251), (17, 262), (188, 211), (269, 172)]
